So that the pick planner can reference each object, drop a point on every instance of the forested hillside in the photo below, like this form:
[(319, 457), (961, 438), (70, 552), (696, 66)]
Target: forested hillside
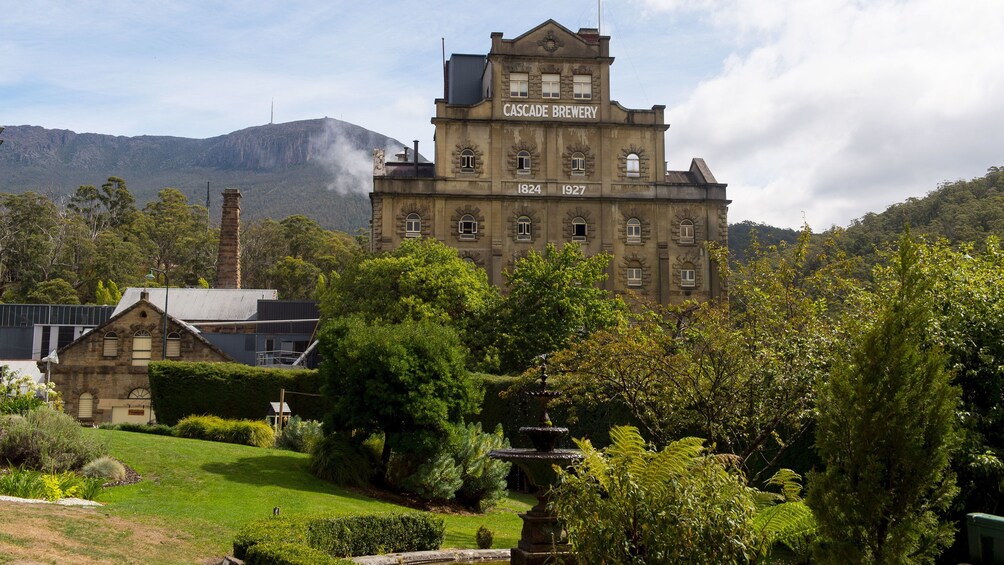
[(959, 211)]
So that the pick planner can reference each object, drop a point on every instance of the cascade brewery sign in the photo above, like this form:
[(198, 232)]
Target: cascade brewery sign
[(567, 111)]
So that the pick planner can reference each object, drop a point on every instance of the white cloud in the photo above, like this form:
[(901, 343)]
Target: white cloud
[(846, 107)]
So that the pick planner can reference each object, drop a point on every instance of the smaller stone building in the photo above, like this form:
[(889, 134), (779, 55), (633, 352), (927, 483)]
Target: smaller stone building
[(102, 375)]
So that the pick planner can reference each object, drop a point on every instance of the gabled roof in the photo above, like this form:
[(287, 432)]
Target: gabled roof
[(180, 324), (202, 304), (550, 22)]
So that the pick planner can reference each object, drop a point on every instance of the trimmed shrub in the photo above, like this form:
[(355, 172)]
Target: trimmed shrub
[(484, 537), (346, 536), (299, 435), (46, 439), (214, 428), (229, 390), (273, 553), (156, 429), (342, 460), (104, 468)]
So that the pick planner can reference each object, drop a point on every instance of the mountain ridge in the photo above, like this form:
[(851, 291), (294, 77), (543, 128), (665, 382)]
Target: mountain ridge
[(320, 168)]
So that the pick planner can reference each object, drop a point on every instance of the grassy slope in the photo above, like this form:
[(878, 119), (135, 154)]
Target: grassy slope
[(208, 490)]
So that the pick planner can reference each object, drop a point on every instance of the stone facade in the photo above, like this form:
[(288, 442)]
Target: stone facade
[(546, 156), (102, 376)]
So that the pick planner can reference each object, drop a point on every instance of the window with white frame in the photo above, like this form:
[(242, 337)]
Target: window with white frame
[(688, 278), (582, 87), (413, 225), (467, 161), (633, 230), (173, 345), (578, 164), (633, 165), (550, 86), (687, 231), (139, 394), (468, 227), (523, 229), (518, 85), (578, 229), (142, 344), (523, 163), (110, 346), (634, 276)]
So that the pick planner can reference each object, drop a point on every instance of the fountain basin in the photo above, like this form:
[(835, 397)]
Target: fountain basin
[(538, 465)]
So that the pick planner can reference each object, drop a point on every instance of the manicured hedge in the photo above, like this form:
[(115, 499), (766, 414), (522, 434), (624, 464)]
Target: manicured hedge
[(273, 553), (230, 390), (345, 536)]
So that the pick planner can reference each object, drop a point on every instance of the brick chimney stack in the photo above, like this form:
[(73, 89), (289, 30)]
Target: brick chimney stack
[(228, 262)]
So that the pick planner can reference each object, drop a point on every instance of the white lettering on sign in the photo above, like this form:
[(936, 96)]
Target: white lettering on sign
[(566, 111)]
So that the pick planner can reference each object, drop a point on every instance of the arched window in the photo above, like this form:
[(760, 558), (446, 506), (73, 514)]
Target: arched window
[(633, 230), (470, 261), (578, 164), (139, 394), (634, 275), (413, 225), (110, 346), (467, 161), (85, 406), (633, 164), (141, 346), (688, 277), (523, 163), (687, 231), (173, 345), (578, 229), (523, 229), (468, 227)]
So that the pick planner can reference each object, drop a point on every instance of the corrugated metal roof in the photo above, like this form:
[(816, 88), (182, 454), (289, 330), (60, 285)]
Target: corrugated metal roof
[(203, 304)]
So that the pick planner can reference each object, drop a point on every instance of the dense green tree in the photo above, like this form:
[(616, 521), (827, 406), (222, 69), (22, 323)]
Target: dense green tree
[(180, 241), (407, 380), (266, 244), (29, 238), (554, 298), (55, 291), (740, 373), (294, 278), (110, 207), (885, 431)]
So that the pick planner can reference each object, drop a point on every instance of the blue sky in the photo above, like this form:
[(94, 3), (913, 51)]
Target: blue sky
[(811, 110)]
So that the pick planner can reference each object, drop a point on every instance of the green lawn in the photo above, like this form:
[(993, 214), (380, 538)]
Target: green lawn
[(207, 490)]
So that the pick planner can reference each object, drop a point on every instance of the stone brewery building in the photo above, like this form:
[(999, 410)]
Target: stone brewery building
[(530, 149)]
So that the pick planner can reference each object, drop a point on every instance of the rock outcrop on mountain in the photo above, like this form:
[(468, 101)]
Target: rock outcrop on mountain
[(320, 168)]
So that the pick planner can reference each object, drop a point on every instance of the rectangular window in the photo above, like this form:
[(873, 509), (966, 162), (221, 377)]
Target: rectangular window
[(582, 87), (634, 276), (686, 233), (688, 278), (141, 346), (519, 85), (523, 230), (578, 231), (550, 86), (468, 228)]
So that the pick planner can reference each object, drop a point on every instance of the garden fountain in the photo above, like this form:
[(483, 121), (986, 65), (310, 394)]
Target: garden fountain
[(543, 540)]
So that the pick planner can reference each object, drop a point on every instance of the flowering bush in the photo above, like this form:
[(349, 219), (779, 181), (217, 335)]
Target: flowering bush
[(20, 394)]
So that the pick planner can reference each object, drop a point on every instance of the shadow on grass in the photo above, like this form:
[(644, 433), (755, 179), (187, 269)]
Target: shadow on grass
[(278, 469)]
